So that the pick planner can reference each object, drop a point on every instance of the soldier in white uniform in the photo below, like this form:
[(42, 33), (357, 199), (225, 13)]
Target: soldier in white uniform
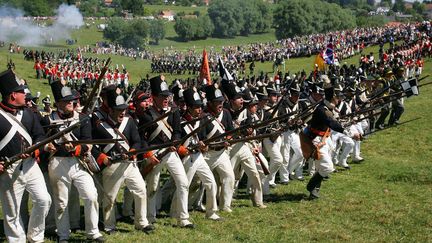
[(240, 154), (20, 129), (192, 151), (65, 169), (218, 157), (117, 125), (164, 131)]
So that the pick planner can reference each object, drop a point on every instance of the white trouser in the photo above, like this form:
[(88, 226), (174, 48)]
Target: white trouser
[(324, 166), (274, 151), (50, 223), (219, 163), (358, 128), (175, 167), (63, 171), (20, 177), (241, 156), (112, 179), (343, 146), (74, 208), (195, 164), (128, 200), (263, 176), (290, 142)]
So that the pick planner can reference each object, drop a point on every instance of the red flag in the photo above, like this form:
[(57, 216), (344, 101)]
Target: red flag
[(205, 70)]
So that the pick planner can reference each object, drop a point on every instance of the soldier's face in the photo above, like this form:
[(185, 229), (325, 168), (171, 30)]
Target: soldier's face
[(253, 108), (237, 104), (195, 110), (273, 98), (66, 106), (161, 101), (216, 106), (18, 98), (118, 115)]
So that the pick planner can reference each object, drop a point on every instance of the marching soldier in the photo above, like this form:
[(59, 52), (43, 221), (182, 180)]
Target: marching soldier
[(386, 83), (240, 154), (119, 126), (397, 105), (65, 168), (20, 129), (315, 139), (192, 151), (163, 131), (218, 157), (291, 150), (272, 145)]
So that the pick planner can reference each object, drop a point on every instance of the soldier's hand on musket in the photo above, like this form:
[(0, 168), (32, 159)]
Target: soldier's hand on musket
[(107, 161), (153, 160), (249, 131), (291, 122), (69, 147), (203, 147), (255, 151), (24, 156), (356, 136), (2, 167), (50, 148), (299, 122)]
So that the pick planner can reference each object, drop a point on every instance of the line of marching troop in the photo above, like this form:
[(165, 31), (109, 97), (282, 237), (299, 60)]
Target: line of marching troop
[(187, 130)]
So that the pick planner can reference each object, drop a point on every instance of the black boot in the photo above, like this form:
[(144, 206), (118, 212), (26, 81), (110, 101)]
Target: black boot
[(314, 185)]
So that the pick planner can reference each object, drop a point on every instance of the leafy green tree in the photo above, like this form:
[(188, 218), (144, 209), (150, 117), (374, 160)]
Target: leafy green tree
[(90, 8), (399, 6), (37, 8), (226, 17), (291, 18), (419, 7), (130, 34), (297, 17), (157, 30), (193, 29), (135, 6)]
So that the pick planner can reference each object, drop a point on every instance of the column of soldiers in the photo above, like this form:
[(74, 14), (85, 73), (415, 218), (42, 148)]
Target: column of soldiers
[(207, 136)]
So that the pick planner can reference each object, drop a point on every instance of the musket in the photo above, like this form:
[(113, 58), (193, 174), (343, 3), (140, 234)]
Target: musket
[(131, 95), (380, 92), (257, 124), (385, 128), (163, 116), (246, 139), (90, 98), (149, 166), (91, 141), (169, 144), (36, 146)]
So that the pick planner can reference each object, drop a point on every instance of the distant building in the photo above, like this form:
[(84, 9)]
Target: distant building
[(108, 3), (380, 11), (166, 14)]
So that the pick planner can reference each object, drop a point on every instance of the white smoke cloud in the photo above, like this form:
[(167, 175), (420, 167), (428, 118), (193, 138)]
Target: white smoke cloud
[(14, 27)]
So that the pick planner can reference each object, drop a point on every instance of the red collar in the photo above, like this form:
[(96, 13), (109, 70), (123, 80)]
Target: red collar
[(9, 108)]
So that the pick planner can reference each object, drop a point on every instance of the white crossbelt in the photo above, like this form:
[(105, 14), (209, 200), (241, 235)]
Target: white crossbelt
[(217, 126), (162, 126), (17, 126), (114, 135), (188, 129)]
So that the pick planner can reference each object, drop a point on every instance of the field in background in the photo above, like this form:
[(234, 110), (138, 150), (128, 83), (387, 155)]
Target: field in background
[(385, 199)]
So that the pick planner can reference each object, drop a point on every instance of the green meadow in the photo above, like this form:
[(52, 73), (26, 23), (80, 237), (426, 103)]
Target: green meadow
[(387, 198)]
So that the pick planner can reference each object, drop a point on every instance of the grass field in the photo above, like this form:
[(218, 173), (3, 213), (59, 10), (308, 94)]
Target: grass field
[(385, 199)]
